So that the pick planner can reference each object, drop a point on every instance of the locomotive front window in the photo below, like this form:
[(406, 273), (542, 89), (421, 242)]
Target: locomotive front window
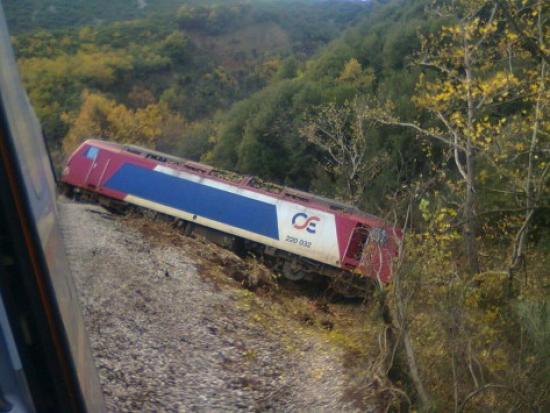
[(92, 152)]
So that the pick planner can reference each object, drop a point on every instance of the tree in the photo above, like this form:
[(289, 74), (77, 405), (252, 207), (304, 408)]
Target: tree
[(484, 103), (523, 158), (193, 141), (354, 74), (176, 46), (104, 118), (352, 71), (459, 90), (340, 132)]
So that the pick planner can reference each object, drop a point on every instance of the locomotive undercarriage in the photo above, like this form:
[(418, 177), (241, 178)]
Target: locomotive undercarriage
[(288, 265)]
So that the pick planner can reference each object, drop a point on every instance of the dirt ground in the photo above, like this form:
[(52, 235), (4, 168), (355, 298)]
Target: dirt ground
[(177, 324)]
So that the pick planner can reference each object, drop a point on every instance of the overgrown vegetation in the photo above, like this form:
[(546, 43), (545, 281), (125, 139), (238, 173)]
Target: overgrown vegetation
[(433, 114), (197, 58)]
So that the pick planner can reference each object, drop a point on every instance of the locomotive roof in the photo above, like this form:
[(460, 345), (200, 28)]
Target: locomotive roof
[(253, 182)]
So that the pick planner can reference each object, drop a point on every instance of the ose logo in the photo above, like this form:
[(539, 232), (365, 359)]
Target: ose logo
[(301, 221)]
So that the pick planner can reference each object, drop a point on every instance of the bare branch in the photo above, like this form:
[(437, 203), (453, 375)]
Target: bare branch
[(478, 391), (423, 131)]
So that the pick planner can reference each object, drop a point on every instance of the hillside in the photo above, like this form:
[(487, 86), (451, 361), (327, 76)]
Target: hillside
[(261, 135), (171, 330), (187, 64), (32, 15), (433, 115)]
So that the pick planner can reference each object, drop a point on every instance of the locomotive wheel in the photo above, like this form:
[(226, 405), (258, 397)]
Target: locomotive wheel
[(293, 272)]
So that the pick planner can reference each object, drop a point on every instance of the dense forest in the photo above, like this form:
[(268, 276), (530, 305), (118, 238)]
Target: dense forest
[(433, 114)]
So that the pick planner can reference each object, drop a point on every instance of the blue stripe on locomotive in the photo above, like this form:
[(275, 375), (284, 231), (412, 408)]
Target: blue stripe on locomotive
[(198, 199)]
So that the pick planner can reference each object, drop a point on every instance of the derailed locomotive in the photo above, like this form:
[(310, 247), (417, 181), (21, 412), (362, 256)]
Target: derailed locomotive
[(299, 233)]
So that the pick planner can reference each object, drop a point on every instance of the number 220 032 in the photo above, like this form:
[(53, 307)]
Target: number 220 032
[(301, 242)]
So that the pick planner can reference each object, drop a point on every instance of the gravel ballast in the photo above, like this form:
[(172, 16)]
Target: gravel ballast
[(168, 338)]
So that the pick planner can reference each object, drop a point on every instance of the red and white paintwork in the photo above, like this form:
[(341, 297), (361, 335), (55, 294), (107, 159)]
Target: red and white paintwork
[(332, 243)]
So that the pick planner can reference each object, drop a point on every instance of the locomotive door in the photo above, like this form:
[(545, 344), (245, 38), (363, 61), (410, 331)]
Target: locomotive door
[(354, 250), (375, 258), (97, 167)]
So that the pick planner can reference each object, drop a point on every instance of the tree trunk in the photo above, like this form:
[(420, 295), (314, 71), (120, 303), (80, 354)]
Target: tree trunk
[(469, 215), (407, 343), (469, 201)]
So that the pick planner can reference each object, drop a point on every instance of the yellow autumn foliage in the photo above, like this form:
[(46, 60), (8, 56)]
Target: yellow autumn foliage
[(104, 118)]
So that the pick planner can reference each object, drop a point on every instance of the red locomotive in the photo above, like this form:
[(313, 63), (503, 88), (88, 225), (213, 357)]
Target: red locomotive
[(302, 233)]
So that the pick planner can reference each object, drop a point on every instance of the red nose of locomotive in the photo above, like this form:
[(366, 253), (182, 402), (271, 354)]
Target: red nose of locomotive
[(379, 252)]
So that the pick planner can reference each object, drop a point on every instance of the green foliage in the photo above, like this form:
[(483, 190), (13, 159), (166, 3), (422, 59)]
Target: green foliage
[(535, 318), (212, 19), (29, 15), (288, 69), (194, 140), (258, 136), (176, 46), (64, 76), (354, 64), (198, 59)]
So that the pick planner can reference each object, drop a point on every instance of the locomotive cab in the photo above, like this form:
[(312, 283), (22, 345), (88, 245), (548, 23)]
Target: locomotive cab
[(370, 251)]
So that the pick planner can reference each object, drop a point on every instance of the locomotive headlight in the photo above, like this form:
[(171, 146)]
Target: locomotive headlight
[(379, 235)]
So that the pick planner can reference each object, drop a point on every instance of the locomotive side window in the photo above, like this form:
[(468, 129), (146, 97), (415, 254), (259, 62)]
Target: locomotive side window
[(296, 197), (156, 157)]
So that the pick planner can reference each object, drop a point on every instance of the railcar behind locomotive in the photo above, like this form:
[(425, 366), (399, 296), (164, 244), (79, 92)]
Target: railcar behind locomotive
[(303, 233)]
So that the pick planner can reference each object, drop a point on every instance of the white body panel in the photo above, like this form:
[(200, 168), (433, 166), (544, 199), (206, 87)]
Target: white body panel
[(303, 231), (320, 245)]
